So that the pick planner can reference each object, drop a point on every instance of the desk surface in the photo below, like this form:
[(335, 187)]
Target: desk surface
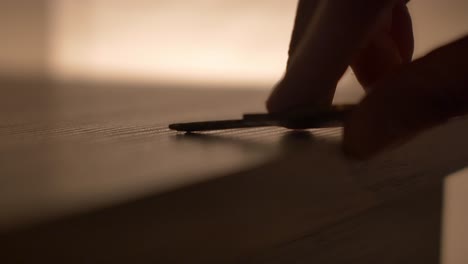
[(67, 148), (87, 165)]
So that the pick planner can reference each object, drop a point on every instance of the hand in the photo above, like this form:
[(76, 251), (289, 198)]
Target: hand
[(418, 96), (375, 39)]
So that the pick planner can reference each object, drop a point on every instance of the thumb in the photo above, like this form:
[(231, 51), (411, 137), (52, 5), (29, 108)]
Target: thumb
[(420, 95)]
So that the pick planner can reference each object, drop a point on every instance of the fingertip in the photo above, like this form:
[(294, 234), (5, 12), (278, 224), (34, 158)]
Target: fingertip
[(380, 121), (294, 93), (359, 140), (276, 101)]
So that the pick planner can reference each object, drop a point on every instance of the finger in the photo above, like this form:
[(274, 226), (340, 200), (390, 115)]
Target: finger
[(421, 95), (325, 50), (402, 31), (305, 11), (387, 50), (378, 59)]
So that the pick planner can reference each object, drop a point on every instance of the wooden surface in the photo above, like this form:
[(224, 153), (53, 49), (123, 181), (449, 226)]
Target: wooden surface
[(73, 147), (90, 174)]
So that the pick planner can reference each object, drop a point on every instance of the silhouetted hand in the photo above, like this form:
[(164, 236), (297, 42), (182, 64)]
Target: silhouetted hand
[(375, 38)]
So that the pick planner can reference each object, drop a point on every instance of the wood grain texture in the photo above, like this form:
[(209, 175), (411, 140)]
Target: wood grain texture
[(95, 177)]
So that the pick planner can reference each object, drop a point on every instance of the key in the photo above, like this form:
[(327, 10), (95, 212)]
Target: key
[(329, 118)]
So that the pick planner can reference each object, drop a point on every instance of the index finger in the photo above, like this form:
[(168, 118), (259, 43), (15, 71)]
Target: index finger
[(305, 11), (329, 42)]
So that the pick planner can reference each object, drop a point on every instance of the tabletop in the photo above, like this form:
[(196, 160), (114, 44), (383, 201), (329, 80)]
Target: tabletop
[(91, 172)]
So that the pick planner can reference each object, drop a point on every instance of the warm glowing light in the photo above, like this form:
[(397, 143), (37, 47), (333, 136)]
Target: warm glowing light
[(184, 41)]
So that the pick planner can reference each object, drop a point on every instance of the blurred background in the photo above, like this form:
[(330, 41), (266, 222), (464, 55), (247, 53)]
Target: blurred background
[(196, 41), (191, 43)]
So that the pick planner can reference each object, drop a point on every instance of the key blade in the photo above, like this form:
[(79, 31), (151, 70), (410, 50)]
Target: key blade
[(219, 125), (295, 120)]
